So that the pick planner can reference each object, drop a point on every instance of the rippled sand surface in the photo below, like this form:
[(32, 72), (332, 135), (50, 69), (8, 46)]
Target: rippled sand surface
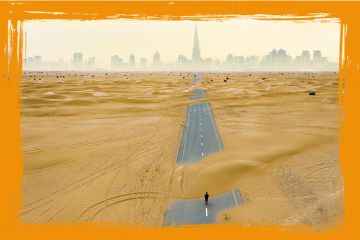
[(100, 147)]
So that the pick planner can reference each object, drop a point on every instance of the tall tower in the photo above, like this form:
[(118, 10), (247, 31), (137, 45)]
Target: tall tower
[(196, 58)]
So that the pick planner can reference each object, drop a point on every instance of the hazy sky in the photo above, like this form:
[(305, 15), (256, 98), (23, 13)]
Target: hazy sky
[(55, 39)]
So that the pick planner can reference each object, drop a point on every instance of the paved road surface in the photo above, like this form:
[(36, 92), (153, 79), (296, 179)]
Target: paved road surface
[(197, 78), (200, 136), (198, 92), (196, 212)]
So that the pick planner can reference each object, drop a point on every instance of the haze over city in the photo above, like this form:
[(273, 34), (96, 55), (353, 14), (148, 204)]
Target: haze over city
[(240, 44)]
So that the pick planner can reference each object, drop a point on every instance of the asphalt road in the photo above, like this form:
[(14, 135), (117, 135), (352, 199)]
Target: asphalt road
[(198, 92), (200, 136), (196, 212), (197, 78)]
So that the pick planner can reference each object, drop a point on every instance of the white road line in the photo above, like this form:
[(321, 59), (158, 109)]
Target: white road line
[(234, 197), (201, 135), (206, 212), (213, 124), (202, 154), (202, 144), (200, 124)]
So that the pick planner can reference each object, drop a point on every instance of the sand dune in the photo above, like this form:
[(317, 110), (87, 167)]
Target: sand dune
[(103, 147)]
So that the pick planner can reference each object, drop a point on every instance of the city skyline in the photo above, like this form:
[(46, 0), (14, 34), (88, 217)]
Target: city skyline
[(231, 63), (274, 60), (54, 39)]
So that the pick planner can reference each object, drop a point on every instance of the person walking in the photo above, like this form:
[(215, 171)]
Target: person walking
[(206, 198)]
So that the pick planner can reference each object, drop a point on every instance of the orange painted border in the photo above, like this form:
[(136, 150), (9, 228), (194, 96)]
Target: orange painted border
[(12, 15)]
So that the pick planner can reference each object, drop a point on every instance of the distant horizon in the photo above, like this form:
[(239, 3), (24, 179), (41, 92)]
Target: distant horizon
[(276, 60), (112, 44)]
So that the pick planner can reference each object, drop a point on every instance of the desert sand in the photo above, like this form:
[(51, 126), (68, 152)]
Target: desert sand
[(102, 147)]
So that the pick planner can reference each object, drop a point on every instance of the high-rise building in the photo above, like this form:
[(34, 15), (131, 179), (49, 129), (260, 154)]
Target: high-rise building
[(272, 56), (116, 62), (156, 59), (316, 55), (37, 60), (229, 61), (281, 53), (303, 61), (77, 61), (90, 64), (196, 56), (318, 60), (182, 61), (283, 60), (276, 59), (306, 56), (132, 60)]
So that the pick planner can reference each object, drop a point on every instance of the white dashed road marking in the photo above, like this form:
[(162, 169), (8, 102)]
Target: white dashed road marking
[(234, 197)]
